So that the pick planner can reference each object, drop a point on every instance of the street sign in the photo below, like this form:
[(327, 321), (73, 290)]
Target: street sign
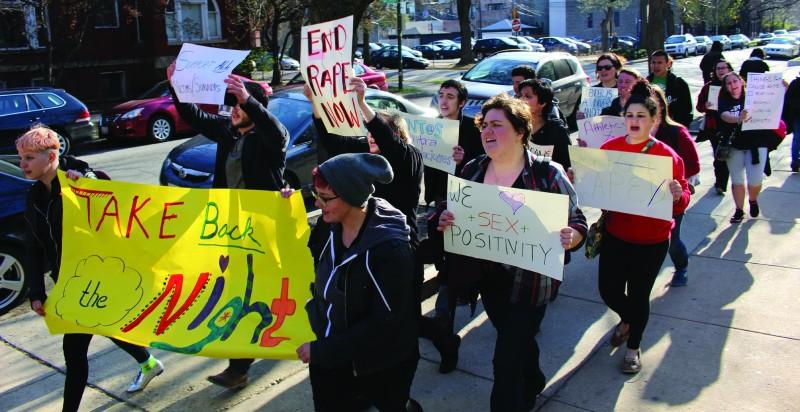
[(516, 25)]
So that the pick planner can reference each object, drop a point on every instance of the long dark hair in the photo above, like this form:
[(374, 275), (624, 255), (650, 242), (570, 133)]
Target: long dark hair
[(642, 93)]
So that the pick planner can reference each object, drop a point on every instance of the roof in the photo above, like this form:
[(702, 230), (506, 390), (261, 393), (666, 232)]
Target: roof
[(504, 25)]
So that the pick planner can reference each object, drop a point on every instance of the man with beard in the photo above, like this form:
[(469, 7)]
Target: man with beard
[(251, 154)]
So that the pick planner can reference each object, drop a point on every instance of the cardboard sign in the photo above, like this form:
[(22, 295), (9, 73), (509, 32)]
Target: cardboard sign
[(221, 273), (634, 183), (764, 101), (595, 99), (713, 97), (435, 138), (200, 72), (506, 225), (325, 63), (542, 150), (594, 131)]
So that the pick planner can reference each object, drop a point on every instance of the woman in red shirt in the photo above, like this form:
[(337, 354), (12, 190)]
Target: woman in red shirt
[(634, 247)]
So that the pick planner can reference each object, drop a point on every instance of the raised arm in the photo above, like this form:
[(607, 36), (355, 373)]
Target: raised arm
[(209, 125)]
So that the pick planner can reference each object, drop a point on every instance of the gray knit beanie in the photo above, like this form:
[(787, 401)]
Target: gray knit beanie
[(352, 175)]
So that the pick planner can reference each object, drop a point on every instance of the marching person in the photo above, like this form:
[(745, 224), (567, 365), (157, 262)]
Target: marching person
[(625, 80), (514, 299), (755, 64), (710, 129), (364, 305), (251, 154), (545, 131), (38, 152), (675, 88), (709, 60), (607, 69), (634, 247)]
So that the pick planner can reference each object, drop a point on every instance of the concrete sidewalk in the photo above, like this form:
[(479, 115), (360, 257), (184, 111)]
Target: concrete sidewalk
[(728, 341)]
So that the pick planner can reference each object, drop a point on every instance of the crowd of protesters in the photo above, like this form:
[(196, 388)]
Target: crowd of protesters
[(368, 253)]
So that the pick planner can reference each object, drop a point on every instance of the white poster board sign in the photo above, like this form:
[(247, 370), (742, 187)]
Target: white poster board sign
[(435, 138), (512, 226), (325, 63), (594, 131), (542, 150), (713, 97), (200, 73), (595, 99), (764, 101), (634, 183)]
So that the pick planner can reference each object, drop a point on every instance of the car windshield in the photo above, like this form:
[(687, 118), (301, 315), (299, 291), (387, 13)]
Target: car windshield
[(292, 113), (718, 38), (159, 90), (765, 36), (675, 39), (782, 40), (495, 71)]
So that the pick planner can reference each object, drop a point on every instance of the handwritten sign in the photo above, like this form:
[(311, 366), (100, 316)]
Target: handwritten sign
[(325, 53), (221, 273), (764, 100), (594, 131), (435, 138), (200, 72), (713, 97), (624, 182), (595, 99), (506, 225), (542, 150)]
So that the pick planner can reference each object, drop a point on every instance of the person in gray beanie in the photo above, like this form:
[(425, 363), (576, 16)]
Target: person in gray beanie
[(363, 310)]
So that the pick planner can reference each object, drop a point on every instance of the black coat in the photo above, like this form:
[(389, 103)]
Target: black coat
[(679, 99), (707, 64), (614, 110), (363, 310), (555, 133), (754, 65), (264, 150)]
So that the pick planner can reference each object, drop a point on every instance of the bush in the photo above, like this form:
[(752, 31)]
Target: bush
[(259, 59)]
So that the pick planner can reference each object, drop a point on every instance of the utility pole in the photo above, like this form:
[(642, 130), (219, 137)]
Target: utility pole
[(716, 17), (399, 48)]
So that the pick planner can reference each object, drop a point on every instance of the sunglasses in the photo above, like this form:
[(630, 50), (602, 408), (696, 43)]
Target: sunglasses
[(608, 67), (322, 200)]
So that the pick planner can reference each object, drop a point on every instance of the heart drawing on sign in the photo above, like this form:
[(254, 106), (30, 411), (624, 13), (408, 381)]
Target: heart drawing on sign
[(223, 262), (515, 200)]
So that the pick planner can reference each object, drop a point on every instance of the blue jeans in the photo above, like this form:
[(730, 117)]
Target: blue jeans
[(677, 250), (796, 144)]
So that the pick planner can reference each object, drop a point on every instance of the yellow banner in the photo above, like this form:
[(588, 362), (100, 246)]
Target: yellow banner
[(220, 273)]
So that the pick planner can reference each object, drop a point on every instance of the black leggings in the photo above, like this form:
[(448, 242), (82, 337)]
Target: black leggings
[(635, 266), (76, 348)]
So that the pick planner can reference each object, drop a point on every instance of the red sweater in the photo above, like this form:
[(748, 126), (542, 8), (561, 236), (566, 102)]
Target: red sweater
[(641, 229)]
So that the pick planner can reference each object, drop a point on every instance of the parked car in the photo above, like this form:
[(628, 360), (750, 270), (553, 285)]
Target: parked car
[(633, 41), (780, 32), (727, 44), (373, 78), (681, 45), (558, 44), (703, 44), (407, 49), (152, 116), (452, 51), (429, 51), (764, 38), (20, 108), (287, 63), (13, 193), (389, 58), (524, 43), (583, 48), (620, 41), (783, 47), (492, 76), (191, 164), (373, 47), (488, 47), (739, 41), (445, 42)]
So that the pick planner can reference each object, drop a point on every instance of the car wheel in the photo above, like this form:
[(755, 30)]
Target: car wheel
[(686, 53), (64, 144), (13, 282), (160, 129), (378, 65)]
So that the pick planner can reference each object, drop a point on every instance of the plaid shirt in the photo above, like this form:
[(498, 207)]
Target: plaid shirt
[(528, 286)]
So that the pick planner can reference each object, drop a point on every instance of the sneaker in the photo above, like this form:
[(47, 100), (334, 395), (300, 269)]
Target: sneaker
[(229, 379), (448, 351), (632, 365), (679, 279), (754, 208), (738, 216), (618, 338), (143, 378)]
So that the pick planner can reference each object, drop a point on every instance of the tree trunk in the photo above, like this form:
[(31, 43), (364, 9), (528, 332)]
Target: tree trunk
[(466, 34), (277, 73), (655, 25), (365, 53), (670, 25), (644, 36)]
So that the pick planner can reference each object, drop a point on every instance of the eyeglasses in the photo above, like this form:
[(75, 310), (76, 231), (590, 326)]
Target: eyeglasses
[(322, 200), (607, 67)]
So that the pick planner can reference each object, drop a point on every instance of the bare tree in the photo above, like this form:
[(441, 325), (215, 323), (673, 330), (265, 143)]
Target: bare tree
[(607, 7), (463, 7)]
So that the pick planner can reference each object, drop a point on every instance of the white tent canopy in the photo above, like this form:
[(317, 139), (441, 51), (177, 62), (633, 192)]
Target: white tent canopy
[(504, 25)]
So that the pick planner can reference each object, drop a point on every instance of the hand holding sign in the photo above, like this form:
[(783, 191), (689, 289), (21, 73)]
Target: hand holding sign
[(236, 88), (198, 73)]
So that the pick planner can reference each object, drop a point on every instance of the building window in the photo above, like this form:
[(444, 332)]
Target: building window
[(192, 20), (18, 28), (39, 82), (616, 19), (495, 6), (589, 21), (112, 85), (106, 15)]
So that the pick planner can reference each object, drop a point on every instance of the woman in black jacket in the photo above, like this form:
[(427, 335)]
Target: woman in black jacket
[(363, 311), (710, 60), (546, 131)]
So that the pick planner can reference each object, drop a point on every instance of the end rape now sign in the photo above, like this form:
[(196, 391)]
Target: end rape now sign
[(435, 138), (506, 225), (200, 73), (624, 182), (325, 53)]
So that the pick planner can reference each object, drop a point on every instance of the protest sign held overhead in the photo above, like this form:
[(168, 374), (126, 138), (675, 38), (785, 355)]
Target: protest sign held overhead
[(200, 73), (326, 65), (506, 225), (435, 138), (624, 182), (594, 131), (764, 101), (595, 99), (220, 272)]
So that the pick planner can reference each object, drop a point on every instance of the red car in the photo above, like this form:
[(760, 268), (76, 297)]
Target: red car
[(373, 78), (152, 116)]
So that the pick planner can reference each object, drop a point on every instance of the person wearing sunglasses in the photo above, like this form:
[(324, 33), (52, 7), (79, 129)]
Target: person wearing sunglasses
[(607, 69), (363, 309)]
